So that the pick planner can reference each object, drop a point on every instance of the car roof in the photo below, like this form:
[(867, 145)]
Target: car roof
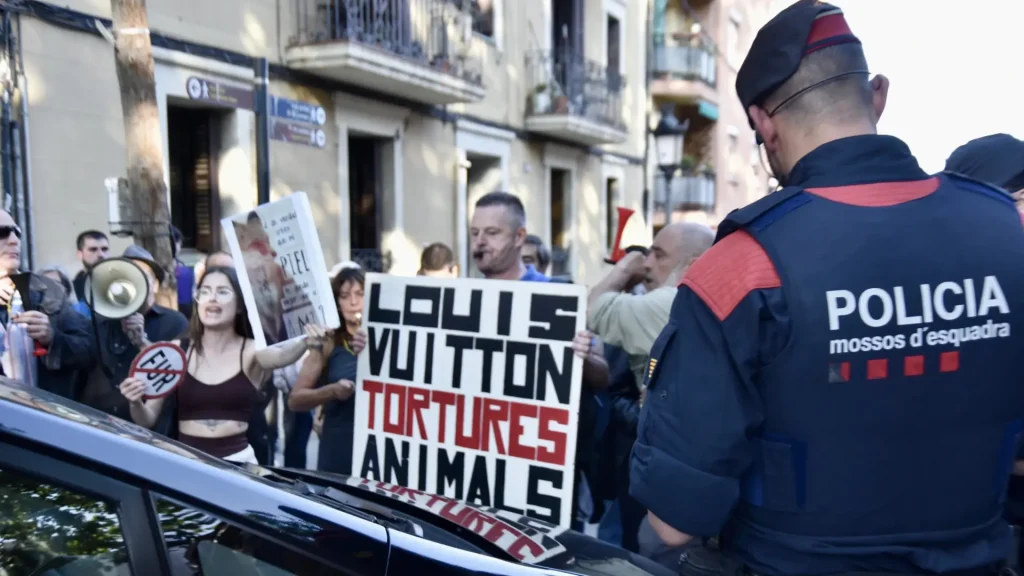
[(107, 441)]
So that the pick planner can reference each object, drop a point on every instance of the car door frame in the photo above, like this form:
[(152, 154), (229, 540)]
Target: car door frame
[(145, 550)]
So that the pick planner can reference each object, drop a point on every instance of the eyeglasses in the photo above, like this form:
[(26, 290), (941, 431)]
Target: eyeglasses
[(221, 294), (6, 231)]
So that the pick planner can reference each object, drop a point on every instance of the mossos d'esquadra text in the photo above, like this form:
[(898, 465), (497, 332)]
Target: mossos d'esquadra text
[(893, 311)]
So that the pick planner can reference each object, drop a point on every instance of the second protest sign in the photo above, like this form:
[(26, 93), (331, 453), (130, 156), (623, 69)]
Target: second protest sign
[(470, 389)]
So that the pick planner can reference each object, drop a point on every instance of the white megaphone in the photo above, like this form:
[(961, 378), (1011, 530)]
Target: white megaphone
[(116, 288)]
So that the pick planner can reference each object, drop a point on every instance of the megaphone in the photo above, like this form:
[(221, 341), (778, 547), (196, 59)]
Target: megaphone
[(116, 288), (617, 250)]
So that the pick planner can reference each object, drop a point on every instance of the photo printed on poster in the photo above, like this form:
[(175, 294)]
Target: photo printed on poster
[(281, 269)]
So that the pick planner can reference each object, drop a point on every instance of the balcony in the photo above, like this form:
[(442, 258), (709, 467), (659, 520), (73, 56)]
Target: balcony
[(689, 192), (414, 49), (684, 73), (574, 99)]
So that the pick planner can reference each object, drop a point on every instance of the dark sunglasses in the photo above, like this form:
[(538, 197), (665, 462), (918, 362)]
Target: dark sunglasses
[(5, 232)]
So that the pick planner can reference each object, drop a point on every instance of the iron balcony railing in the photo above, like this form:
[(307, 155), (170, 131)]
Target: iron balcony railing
[(688, 192), (432, 33), (371, 259), (563, 82), (685, 62)]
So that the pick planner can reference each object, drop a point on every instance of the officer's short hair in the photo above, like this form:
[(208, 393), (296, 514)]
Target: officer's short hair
[(842, 99), (510, 202)]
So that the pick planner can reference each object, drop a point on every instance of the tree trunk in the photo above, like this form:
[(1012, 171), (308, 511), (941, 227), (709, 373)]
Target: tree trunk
[(150, 218)]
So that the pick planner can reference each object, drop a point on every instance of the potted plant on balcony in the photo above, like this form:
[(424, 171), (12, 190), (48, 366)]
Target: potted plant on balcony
[(541, 99), (688, 163)]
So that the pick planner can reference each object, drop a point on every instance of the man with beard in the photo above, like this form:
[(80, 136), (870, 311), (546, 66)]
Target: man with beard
[(93, 247), (828, 396), (633, 321)]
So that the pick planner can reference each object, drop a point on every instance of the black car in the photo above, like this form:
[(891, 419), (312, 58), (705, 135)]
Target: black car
[(84, 493)]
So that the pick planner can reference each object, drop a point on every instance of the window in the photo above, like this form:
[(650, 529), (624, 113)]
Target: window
[(560, 247), (732, 40), (614, 54), (483, 17), (46, 529), (200, 544), (194, 147)]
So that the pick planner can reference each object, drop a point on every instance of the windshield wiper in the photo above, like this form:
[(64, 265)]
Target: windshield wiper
[(373, 509)]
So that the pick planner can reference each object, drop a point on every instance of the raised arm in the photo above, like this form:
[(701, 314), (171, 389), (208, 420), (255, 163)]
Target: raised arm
[(274, 357)]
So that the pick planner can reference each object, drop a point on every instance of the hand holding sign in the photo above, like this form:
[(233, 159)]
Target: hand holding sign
[(159, 368), (132, 389)]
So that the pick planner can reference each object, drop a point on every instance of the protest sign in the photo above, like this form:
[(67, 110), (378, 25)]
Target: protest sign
[(160, 366), (281, 269), (469, 389), (526, 539)]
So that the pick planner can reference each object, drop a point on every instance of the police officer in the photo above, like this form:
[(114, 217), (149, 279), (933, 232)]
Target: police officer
[(838, 387), (996, 158)]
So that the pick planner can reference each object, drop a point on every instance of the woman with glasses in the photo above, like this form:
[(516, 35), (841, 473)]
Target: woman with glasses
[(220, 389), (328, 375)]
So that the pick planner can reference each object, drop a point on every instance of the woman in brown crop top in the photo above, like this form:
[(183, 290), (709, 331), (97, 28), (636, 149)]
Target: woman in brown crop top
[(220, 390)]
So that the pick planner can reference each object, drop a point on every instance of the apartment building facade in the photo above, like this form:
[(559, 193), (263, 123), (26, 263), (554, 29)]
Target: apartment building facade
[(394, 116), (697, 48)]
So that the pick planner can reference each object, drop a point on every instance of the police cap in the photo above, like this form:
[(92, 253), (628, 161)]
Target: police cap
[(997, 159), (780, 45)]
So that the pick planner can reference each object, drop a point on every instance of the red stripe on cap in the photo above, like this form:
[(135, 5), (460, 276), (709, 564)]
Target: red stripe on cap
[(730, 270), (880, 194), (828, 26)]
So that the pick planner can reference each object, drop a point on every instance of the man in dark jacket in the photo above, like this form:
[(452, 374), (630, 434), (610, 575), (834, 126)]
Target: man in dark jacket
[(829, 397), (120, 341), (997, 159), (45, 319)]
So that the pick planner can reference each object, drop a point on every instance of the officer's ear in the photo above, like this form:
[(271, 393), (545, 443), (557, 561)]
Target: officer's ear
[(764, 125), (879, 94)]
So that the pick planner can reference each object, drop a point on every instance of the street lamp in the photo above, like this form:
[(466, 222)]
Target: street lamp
[(669, 136)]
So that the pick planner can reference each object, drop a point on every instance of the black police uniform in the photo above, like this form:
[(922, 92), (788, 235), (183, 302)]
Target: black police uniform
[(997, 159), (837, 388)]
